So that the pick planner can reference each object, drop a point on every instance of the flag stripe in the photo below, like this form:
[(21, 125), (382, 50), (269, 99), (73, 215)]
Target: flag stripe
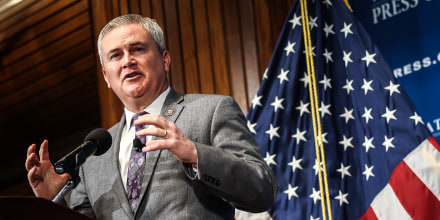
[(421, 177), (434, 143), (369, 215), (387, 206), (424, 162), (419, 173), (412, 192)]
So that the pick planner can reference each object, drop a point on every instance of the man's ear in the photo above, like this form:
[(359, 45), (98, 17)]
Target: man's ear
[(104, 73), (166, 60)]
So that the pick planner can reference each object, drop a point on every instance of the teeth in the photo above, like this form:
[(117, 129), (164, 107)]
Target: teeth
[(132, 75)]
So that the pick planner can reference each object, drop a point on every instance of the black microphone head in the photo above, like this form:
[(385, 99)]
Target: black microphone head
[(102, 138), (137, 144)]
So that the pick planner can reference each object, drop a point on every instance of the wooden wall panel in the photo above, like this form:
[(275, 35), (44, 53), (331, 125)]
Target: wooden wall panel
[(48, 85), (172, 34), (50, 76), (158, 13), (204, 57), (188, 47), (234, 52), (250, 50)]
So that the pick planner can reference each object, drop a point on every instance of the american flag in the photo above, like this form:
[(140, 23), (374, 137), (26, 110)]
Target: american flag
[(381, 160)]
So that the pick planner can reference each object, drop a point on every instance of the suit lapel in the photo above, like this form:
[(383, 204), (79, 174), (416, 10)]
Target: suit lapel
[(119, 188), (172, 106)]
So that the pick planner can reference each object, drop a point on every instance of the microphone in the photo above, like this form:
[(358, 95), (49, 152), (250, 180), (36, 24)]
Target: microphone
[(96, 142), (137, 144)]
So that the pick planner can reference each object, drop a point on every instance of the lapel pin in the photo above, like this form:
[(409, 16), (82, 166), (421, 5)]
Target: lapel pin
[(169, 112)]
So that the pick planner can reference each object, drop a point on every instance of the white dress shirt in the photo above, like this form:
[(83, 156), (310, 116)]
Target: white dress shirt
[(128, 134)]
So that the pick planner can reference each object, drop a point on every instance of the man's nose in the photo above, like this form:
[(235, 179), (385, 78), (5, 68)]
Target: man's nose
[(129, 61)]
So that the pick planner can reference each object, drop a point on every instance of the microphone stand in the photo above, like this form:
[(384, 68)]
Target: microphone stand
[(70, 184)]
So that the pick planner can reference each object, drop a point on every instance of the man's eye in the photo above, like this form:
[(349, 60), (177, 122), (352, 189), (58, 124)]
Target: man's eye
[(138, 49), (113, 56)]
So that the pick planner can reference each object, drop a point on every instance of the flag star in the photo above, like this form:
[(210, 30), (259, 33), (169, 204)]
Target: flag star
[(328, 3), (273, 132), (326, 82), (283, 76), (369, 58), (289, 49), (311, 51), (328, 29), (296, 20), (270, 159), (367, 86), (311, 218), (388, 143), (312, 22), (305, 80), (291, 191), (346, 142), (348, 114), (324, 109), (265, 74), (256, 101), (251, 127), (324, 139), (346, 30), (367, 114), (342, 198), (277, 104), (368, 172), (344, 170), (389, 114), (296, 164), (416, 118), (303, 108), (347, 58), (368, 143), (315, 195), (348, 86), (299, 136), (393, 88), (315, 167), (328, 55)]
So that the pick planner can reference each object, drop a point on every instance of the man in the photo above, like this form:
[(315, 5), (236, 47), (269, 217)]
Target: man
[(201, 161)]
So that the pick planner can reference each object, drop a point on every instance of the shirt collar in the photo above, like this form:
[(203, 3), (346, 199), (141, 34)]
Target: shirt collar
[(153, 108)]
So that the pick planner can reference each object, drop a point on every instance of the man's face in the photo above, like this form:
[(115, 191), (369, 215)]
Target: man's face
[(133, 66)]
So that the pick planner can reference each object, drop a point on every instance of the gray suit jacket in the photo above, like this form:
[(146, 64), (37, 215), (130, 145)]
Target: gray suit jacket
[(231, 172)]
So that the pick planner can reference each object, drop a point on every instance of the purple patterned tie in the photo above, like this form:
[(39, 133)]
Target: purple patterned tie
[(136, 170)]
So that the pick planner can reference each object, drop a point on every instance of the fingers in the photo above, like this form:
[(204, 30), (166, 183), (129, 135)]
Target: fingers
[(31, 161), (152, 119), (165, 133), (31, 158), (154, 131), (162, 126), (31, 149), (173, 138), (44, 152), (32, 177), (154, 146)]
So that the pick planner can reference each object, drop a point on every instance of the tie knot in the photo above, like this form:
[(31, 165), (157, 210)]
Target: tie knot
[(139, 127), (136, 116)]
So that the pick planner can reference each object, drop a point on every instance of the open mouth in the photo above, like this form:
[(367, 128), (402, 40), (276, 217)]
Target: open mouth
[(132, 75)]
